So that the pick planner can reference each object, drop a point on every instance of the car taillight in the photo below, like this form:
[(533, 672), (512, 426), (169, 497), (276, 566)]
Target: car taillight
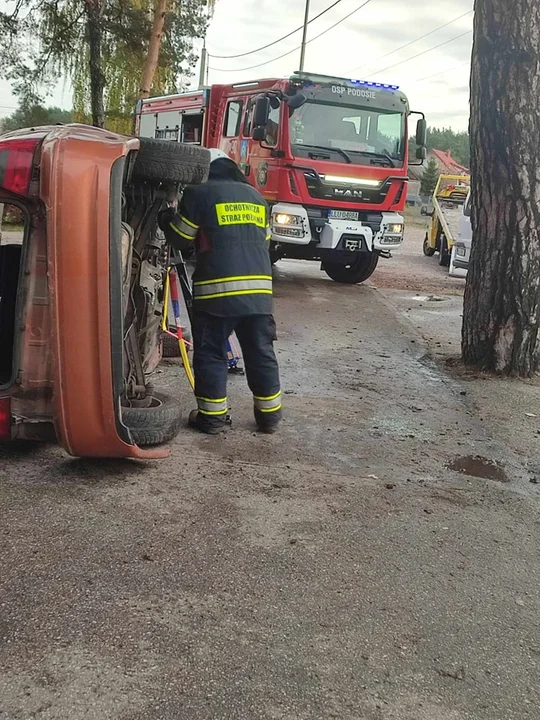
[(16, 164), (5, 419)]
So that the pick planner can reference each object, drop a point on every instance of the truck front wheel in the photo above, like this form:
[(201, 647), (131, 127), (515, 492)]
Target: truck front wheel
[(354, 272), (427, 249)]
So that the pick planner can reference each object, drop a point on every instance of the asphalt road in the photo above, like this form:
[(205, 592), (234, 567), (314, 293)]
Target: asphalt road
[(338, 569)]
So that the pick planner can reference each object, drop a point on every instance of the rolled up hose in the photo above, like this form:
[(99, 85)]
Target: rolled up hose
[(171, 288)]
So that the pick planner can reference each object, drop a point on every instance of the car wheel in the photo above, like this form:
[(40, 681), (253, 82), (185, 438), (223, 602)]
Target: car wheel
[(274, 257), (166, 161), (360, 269), (169, 344), (427, 249), (158, 423)]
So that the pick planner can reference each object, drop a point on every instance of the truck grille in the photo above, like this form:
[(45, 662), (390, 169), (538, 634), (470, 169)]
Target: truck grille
[(318, 217), (373, 196)]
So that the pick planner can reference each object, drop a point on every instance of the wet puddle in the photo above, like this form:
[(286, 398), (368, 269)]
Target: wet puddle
[(479, 467)]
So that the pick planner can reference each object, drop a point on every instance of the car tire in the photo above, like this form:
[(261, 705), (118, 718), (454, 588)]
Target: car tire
[(167, 161), (156, 424), (427, 249), (274, 257), (353, 273), (169, 344), (444, 255)]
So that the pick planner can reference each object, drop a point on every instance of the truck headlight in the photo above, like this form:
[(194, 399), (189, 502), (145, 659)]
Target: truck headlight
[(395, 229), (460, 250), (286, 219)]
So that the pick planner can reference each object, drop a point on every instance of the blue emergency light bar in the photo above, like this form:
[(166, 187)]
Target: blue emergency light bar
[(316, 77), (384, 86)]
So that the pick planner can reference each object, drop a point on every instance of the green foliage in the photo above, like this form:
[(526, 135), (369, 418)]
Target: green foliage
[(42, 40), (447, 139), (34, 116), (430, 177)]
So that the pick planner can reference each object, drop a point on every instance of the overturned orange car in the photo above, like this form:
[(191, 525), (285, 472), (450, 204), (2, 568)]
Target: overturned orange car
[(82, 275)]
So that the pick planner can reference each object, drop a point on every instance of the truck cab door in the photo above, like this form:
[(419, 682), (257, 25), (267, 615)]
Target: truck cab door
[(258, 158)]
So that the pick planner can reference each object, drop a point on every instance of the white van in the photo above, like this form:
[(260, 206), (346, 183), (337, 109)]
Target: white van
[(461, 250)]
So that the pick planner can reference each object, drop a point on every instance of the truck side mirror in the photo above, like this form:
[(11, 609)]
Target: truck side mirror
[(421, 153), (421, 133), (259, 134), (296, 101), (262, 111)]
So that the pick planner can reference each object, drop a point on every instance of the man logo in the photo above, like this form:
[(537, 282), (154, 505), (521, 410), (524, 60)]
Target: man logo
[(340, 192)]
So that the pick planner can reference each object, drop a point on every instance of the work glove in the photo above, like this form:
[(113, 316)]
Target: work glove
[(165, 218)]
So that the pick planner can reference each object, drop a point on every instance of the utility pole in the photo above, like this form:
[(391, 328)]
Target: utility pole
[(203, 71), (304, 36)]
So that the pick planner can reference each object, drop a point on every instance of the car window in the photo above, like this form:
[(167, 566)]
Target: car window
[(233, 115), (272, 127), (249, 118)]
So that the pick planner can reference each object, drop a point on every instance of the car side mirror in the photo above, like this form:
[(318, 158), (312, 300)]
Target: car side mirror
[(421, 153)]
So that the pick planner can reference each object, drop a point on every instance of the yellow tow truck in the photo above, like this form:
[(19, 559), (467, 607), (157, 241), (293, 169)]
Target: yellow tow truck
[(448, 198)]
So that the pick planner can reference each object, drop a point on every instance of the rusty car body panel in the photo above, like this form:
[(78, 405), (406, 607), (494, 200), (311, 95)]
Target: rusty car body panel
[(69, 334)]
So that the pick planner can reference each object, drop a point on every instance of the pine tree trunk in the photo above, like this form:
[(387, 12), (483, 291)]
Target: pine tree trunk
[(502, 296), (93, 14), (154, 47)]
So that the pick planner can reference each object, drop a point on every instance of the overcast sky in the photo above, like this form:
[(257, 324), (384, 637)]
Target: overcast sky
[(364, 46)]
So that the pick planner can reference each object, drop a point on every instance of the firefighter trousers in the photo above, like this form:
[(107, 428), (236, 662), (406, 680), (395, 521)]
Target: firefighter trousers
[(256, 335)]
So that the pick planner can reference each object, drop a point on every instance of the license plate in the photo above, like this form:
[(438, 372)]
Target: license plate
[(343, 214)]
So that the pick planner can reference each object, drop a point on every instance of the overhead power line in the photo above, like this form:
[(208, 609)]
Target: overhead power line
[(275, 42), (425, 52), (267, 62), (443, 72), (412, 42)]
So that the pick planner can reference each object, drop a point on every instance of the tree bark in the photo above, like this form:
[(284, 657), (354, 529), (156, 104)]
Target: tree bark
[(97, 81), (501, 314), (154, 47)]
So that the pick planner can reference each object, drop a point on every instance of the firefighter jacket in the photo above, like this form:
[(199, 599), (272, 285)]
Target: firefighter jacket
[(228, 223)]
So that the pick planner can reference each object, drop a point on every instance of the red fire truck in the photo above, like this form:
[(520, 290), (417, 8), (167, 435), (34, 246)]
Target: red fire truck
[(328, 154)]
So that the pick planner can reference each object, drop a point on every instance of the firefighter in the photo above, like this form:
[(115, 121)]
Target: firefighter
[(226, 221)]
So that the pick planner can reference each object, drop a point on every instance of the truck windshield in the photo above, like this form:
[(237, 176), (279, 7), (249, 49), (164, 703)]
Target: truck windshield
[(347, 133)]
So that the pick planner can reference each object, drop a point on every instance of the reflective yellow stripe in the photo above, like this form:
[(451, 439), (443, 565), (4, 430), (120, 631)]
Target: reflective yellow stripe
[(269, 410), (271, 397), (234, 292), (213, 412), (179, 232), (233, 279), (268, 404), (241, 214), (188, 222), (210, 406), (247, 285)]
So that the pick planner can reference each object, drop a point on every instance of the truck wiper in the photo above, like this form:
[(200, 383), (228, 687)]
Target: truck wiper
[(383, 154), (330, 150)]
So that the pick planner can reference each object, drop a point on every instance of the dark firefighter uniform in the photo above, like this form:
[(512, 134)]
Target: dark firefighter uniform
[(227, 221)]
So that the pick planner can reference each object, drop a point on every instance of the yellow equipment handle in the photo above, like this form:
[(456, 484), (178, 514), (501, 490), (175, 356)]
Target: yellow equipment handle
[(181, 343)]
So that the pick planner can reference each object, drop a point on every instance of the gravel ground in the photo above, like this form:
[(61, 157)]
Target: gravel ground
[(432, 302), (338, 569)]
